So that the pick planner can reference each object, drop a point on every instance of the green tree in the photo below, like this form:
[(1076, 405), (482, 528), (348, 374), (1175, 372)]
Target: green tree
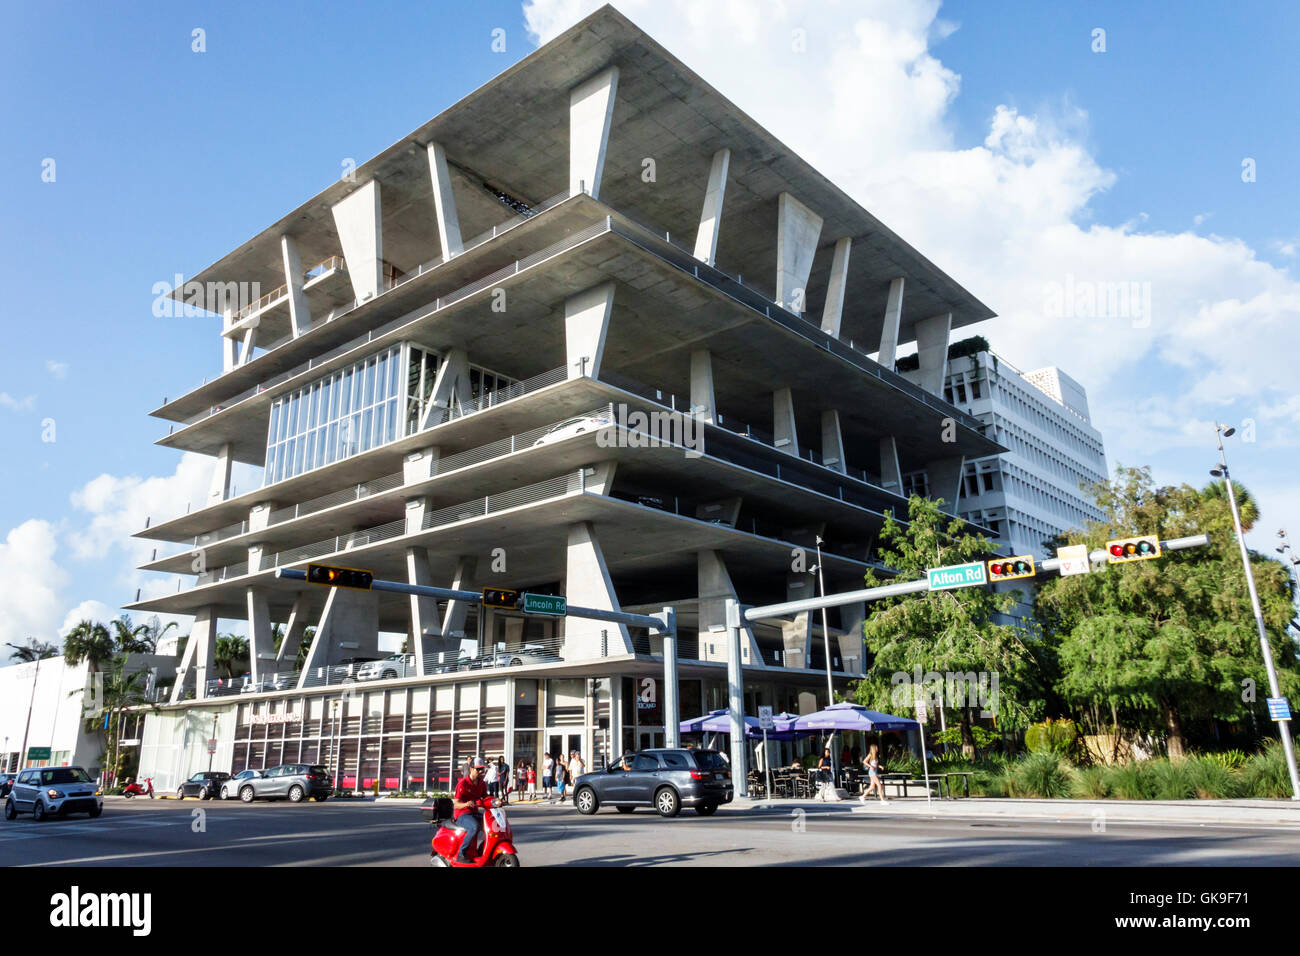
[(128, 637), (1171, 641), (89, 641), (32, 650), (949, 632), (120, 690), (228, 651)]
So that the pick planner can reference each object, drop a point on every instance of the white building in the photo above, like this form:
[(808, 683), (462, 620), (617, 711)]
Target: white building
[(40, 709), (1035, 490)]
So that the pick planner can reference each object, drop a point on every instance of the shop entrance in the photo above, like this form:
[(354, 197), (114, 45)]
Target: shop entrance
[(559, 744)]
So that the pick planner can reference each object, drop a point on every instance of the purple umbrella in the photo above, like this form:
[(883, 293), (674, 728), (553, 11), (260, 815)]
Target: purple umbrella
[(850, 717), (719, 722)]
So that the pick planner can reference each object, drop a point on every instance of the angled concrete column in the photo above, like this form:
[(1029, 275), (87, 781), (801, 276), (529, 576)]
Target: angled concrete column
[(197, 661), (891, 475), (419, 465), (715, 588), (255, 557), (832, 440), (299, 308), (259, 516), (932, 351), (261, 646), (784, 434), (358, 220), (703, 402), (586, 323), (797, 229), (599, 478), (444, 203), (852, 617), (287, 656), (453, 626), (945, 480), (219, 489), (229, 344), (349, 627), (587, 583), (797, 635), (591, 107), (889, 330), (706, 237), (248, 343), (450, 387), (833, 310)]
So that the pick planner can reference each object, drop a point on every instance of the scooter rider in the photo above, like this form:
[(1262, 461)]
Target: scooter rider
[(471, 797)]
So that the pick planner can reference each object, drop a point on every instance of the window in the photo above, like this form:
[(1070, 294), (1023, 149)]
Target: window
[(644, 762), (675, 761)]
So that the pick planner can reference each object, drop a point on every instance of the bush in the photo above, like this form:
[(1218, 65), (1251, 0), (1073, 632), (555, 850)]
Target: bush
[(1227, 759), (901, 763), (1265, 774), (1040, 775), (1171, 780), (1211, 778), (1051, 737), (1129, 781), (1089, 783)]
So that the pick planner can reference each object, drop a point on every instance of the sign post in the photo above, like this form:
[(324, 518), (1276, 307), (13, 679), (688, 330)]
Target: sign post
[(921, 717), (766, 722)]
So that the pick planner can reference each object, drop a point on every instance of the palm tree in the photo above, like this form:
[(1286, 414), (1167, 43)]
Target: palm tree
[(130, 638), (154, 632), (228, 650), (33, 650), (1247, 507), (121, 691), (89, 641)]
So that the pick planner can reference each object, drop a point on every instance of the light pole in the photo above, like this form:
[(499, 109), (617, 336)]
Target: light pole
[(1290, 557), (826, 647), (1283, 726)]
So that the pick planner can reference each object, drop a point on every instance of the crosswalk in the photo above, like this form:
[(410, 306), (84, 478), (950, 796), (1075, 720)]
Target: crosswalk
[(25, 828)]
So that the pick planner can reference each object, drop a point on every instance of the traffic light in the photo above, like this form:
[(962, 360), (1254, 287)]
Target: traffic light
[(1008, 569), (333, 577), (1133, 549), (500, 597)]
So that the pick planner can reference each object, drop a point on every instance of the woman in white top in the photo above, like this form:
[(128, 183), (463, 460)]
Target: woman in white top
[(493, 779)]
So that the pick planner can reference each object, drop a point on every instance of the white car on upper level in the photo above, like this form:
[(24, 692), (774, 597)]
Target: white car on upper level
[(398, 665), (574, 426)]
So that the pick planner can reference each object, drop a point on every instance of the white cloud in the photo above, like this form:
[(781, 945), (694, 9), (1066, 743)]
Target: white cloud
[(58, 369), (868, 105), (88, 611), (25, 404), (29, 601)]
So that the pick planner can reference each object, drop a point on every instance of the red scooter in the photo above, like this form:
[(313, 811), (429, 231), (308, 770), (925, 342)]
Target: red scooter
[(133, 789), (498, 847)]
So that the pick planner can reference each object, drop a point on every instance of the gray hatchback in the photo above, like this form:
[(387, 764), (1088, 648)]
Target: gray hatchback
[(664, 779)]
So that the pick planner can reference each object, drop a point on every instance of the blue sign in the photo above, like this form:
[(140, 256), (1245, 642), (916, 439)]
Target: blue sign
[(1278, 708)]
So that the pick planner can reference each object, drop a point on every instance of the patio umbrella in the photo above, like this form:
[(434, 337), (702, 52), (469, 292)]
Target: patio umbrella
[(850, 717), (719, 722)]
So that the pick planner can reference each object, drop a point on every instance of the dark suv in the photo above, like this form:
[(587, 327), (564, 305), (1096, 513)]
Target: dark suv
[(664, 779)]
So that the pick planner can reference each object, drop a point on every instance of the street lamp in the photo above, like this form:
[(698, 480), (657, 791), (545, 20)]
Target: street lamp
[(1293, 560), (1283, 726)]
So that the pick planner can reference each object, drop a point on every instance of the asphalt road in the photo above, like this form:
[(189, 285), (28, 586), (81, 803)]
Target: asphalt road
[(366, 833)]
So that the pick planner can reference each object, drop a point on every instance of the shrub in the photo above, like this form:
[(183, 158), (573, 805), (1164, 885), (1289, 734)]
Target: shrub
[(1129, 781), (1227, 759), (1040, 775), (1171, 780), (1051, 736), (1265, 774), (1089, 783), (1211, 778), (901, 763)]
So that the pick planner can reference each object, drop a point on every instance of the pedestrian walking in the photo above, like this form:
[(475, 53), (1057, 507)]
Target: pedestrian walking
[(561, 776), (576, 767), (872, 762), (503, 776)]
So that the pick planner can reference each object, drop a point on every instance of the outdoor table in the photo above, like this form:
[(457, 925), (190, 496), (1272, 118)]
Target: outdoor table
[(965, 781)]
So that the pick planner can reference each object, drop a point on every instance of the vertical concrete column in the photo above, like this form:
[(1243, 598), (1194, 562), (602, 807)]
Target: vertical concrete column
[(932, 351), (784, 433), (706, 237), (833, 309), (350, 617), (852, 617), (891, 475), (444, 203), (889, 330), (797, 635), (259, 516), (736, 696), (219, 489), (832, 440), (797, 230), (424, 609), (248, 344), (419, 465), (299, 307), (358, 219), (586, 323), (715, 588), (229, 344), (453, 626), (591, 107), (588, 584), (703, 401), (287, 655), (945, 480), (672, 710), (261, 646), (197, 661)]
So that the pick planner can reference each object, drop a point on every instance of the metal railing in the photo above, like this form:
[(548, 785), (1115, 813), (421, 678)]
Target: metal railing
[(281, 292)]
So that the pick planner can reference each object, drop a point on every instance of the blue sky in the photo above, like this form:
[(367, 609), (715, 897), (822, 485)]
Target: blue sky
[(1126, 163)]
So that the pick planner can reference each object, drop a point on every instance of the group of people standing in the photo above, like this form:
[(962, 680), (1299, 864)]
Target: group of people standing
[(557, 776)]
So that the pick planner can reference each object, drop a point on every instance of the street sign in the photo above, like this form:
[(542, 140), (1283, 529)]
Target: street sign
[(500, 597), (553, 604), (135, 742), (212, 745), (38, 753), (1074, 559), (1278, 708), (957, 576), (765, 720)]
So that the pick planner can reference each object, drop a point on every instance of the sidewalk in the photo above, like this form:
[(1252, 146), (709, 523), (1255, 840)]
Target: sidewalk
[(1265, 812)]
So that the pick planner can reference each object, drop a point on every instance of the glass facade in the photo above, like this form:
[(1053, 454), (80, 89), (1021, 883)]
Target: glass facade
[(335, 417)]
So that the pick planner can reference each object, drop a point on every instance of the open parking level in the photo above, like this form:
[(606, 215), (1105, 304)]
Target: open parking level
[(391, 833)]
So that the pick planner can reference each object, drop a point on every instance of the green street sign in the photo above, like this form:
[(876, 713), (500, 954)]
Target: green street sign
[(554, 604), (957, 576), (38, 753)]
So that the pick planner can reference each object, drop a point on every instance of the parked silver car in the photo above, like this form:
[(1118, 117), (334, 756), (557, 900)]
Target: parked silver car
[(230, 788), (398, 665), (294, 782)]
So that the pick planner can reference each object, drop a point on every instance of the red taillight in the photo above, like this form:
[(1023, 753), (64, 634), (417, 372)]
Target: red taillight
[(699, 775)]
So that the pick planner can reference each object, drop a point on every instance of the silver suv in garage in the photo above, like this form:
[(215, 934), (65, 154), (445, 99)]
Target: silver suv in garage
[(54, 791)]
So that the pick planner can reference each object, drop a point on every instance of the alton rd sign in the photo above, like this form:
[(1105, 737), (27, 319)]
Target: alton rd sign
[(957, 576)]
